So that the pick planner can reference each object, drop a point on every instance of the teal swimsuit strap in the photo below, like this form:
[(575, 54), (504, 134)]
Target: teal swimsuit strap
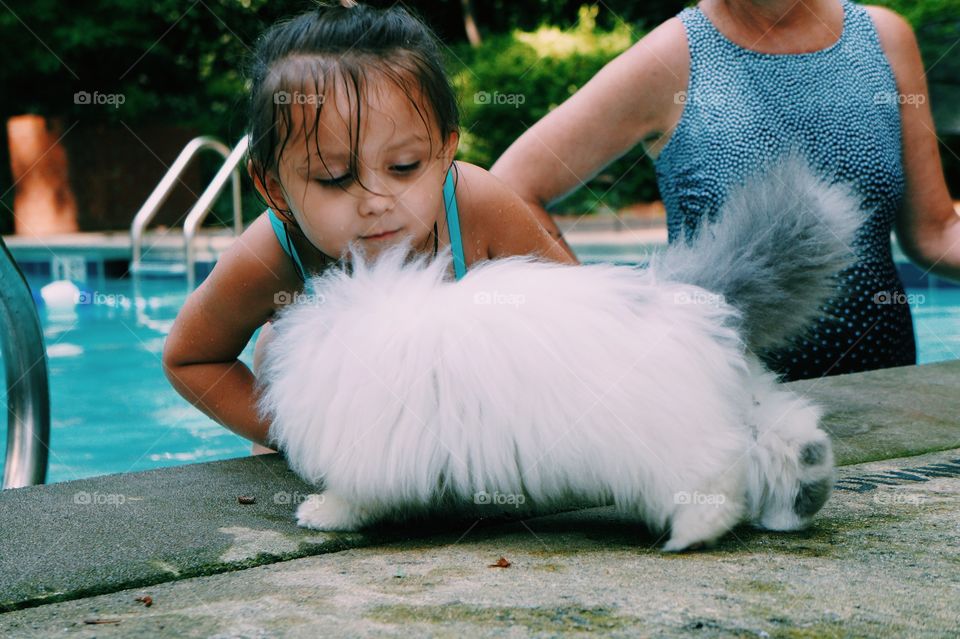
[(280, 230), (453, 226)]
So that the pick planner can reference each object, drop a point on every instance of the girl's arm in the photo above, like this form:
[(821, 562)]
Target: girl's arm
[(633, 99), (928, 228), (217, 321)]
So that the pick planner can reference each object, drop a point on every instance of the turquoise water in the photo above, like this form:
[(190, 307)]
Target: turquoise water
[(114, 411)]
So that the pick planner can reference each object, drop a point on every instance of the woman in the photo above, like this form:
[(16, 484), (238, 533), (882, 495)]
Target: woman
[(729, 85)]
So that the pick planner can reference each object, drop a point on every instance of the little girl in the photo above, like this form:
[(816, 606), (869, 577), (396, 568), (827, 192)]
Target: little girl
[(353, 130)]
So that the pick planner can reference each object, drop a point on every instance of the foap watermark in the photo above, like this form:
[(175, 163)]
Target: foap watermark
[(895, 97), (486, 298), (97, 98), (697, 498), (298, 297), (683, 97), (296, 497), (899, 499), (510, 99), (699, 297), (897, 297), (296, 97), (483, 498), (97, 298), (84, 498)]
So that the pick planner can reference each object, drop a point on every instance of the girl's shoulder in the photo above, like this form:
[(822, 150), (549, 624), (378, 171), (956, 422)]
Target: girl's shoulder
[(495, 221), (254, 271), (240, 295), (468, 178), (481, 198)]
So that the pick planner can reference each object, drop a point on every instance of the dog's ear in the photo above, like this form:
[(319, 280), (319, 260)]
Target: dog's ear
[(811, 497), (813, 454)]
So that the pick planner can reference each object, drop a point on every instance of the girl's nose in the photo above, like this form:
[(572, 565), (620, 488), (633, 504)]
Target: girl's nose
[(375, 204), (375, 199)]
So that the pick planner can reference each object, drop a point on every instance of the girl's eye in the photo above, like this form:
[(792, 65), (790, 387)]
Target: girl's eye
[(406, 168), (346, 178), (337, 181)]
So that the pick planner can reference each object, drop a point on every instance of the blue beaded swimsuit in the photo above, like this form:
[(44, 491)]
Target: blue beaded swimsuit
[(838, 107)]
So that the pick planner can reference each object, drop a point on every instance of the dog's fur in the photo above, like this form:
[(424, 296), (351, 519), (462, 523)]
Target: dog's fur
[(530, 387)]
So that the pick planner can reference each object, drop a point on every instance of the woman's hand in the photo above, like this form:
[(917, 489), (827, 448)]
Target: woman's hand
[(927, 226)]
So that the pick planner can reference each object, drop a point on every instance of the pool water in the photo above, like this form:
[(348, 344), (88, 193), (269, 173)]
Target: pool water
[(113, 410)]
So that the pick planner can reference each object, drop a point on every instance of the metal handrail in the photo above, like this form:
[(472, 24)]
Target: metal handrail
[(160, 193), (200, 210), (28, 395)]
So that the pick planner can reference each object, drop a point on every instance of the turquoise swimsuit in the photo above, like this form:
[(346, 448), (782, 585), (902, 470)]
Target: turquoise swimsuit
[(453, 225)]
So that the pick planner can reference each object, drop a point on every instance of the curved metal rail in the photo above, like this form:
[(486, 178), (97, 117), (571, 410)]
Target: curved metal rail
[(162, 191), (228, 171), (25, 360)]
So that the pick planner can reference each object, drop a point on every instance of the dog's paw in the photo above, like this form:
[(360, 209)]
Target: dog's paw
[(698, 536), (326, 511), (698, 524), (676, 544)]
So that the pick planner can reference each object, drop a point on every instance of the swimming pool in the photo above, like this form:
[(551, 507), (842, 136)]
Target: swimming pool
[(113, 410)]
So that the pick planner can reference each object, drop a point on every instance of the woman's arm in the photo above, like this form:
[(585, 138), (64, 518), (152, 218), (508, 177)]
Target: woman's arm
[(927, 226), (217, 321), (633, 99)]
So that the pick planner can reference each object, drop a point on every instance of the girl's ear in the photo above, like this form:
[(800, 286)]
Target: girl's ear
[(449, 151), (271, 192)]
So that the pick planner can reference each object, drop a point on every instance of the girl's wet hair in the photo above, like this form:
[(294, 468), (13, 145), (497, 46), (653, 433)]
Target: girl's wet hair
[(298, 62)]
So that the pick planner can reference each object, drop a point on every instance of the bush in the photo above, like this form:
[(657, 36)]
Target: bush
[(183, 67), (513, 80)]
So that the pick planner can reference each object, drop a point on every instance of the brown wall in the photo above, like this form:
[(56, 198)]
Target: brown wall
[(113, 169)]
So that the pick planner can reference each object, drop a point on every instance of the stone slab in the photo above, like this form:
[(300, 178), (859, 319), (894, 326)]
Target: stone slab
[(77, 539), (882, 560)]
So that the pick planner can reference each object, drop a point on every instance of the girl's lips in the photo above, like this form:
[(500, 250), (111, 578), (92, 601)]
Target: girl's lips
[(380, 236)]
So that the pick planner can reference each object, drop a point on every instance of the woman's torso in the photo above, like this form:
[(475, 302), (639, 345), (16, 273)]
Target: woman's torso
[(743, 108)]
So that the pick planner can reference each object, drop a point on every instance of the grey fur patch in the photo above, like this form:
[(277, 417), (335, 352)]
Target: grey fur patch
[(813, 454), (812, 497), (774, 250)]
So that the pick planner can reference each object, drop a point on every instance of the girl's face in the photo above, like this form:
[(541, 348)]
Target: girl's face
[(401, 172)]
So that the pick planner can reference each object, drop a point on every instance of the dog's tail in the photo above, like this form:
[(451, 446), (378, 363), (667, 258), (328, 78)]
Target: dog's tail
[(774, 250)]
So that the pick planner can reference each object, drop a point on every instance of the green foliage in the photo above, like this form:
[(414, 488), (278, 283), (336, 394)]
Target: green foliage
[(513, 80), (182, 64), (168, 60), (937, 26)]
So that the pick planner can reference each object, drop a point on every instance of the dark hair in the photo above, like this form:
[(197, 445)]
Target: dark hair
[(344, 43)]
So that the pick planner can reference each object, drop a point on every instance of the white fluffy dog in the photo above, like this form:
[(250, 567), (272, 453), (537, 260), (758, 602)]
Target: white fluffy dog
[(550, 387)]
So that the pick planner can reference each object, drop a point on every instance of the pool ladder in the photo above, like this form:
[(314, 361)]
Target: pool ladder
[(28, 397), (229, 170)]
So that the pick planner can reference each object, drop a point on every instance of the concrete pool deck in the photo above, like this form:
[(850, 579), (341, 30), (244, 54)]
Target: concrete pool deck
[(881, 560)]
